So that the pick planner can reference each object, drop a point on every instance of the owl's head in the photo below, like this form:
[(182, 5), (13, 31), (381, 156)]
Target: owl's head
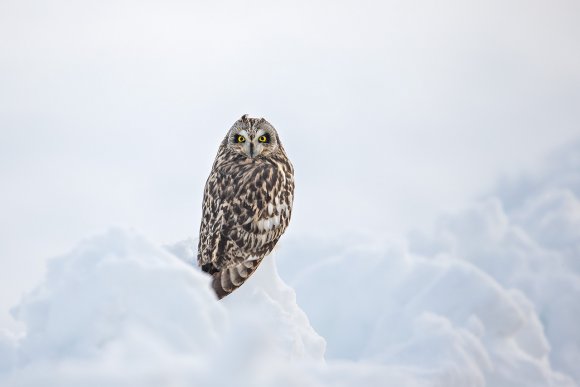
[(253, 137)]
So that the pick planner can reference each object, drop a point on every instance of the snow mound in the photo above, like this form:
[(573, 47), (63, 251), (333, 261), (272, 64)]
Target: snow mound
[(445, 318), (278, 315), (527, 236), (119, 310)]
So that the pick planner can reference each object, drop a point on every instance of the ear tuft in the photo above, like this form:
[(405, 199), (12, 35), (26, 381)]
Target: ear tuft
[(244, 117)]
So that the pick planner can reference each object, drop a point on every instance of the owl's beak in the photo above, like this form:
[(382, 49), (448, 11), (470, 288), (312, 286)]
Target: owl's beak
[(252, 151)]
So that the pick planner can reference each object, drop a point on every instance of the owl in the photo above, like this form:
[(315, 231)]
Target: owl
[(247, 203)]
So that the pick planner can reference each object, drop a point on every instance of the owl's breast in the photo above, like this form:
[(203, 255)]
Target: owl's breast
[(261, 204)]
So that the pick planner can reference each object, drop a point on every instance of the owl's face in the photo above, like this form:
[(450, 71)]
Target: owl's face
[(253, 137)]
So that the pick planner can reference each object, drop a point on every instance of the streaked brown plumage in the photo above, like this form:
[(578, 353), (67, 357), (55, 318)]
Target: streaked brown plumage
[(247, 203)]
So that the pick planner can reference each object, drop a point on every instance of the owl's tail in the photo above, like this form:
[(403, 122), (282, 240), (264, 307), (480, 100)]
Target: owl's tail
[(232, 277)]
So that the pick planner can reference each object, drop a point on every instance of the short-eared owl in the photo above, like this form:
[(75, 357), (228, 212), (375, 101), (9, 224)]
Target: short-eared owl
[(247, 203)]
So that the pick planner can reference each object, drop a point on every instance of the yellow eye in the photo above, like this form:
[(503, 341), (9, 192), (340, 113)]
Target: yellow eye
[(241, 139), (263, 139)]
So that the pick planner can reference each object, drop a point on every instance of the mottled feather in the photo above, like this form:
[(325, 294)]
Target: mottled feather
[(247, 204)]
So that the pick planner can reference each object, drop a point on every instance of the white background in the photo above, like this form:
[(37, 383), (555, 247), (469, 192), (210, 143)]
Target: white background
[(392, 112)]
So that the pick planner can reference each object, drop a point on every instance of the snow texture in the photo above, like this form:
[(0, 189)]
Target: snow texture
[(489, 297)]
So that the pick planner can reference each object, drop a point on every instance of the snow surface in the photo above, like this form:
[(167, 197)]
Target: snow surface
[(489, 297)]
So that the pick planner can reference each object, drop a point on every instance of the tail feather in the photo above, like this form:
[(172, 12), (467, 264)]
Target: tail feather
[(232, 277)]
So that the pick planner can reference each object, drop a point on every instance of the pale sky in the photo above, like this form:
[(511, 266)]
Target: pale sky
[(392, 112)]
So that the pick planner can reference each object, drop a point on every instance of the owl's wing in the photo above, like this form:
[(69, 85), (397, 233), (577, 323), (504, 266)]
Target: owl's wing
[(215, 212)]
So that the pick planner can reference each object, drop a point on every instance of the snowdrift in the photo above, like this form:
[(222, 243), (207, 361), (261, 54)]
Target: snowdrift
[(489, 297), (527, 237), (120, 311)]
